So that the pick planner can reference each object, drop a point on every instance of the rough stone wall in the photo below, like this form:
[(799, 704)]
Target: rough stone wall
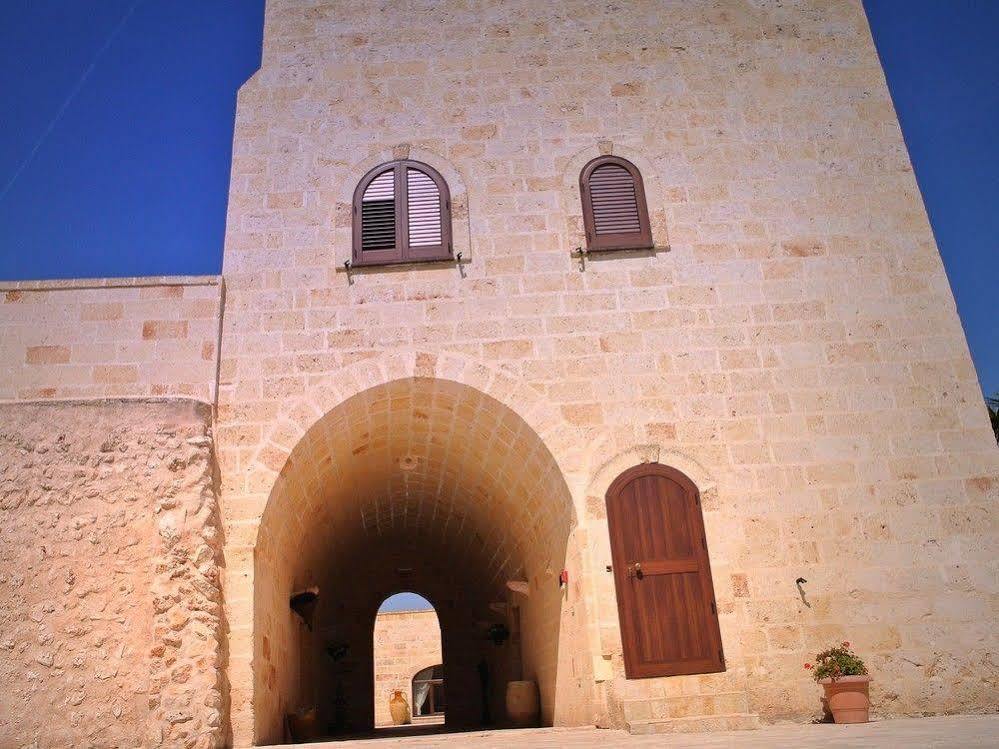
[(110, 547), (405, 642), (794, 343), (110, 338)]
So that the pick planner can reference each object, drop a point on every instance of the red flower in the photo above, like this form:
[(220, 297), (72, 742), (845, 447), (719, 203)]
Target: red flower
[(808, 665), (846, 644)]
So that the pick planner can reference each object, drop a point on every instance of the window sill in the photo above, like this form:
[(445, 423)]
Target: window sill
[(350, 266), (606, 253), (601, 250)]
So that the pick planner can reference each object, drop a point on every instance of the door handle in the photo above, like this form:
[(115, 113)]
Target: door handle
[(635, 570)]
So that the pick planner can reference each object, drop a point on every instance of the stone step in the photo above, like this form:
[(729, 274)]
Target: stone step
[(703, 723), (428, 720), (687, 706)]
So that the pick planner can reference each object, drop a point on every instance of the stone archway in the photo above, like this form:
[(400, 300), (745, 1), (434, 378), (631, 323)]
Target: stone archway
[(416, 481), (407, 640)]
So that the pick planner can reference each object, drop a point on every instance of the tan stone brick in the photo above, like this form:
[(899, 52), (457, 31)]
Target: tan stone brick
[(160, 329), (116, 373), (283, 200), (479, 132), (839, 353), (511, 349), (47, 355), (803, 247), (102, 311), (627, 88)]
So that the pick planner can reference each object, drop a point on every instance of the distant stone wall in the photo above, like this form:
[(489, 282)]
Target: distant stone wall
[(405, 642), (111, 626), (110, 338)]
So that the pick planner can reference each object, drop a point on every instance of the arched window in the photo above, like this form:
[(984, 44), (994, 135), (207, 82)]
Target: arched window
[(614, 211), (428, 691), (402, 214)]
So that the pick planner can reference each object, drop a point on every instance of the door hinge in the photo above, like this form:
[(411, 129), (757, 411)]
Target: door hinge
[(714, 610), (721, 655), (704, 543)]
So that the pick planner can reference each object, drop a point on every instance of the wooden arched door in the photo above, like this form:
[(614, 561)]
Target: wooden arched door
[(665, 597)]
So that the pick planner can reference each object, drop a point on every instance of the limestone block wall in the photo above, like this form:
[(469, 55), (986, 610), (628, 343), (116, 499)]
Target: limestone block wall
[(405, 642), (793, 345), (101, 338), (110, 548)]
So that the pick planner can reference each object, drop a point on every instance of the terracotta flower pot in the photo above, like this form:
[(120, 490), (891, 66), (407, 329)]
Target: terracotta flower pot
[(522, 703), (399, 708), (848, 699)]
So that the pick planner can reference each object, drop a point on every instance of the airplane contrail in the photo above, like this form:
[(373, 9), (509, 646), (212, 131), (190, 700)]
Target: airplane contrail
[(69, 99)]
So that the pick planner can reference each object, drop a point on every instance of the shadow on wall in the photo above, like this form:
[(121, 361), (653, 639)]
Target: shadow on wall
[(423, 484)]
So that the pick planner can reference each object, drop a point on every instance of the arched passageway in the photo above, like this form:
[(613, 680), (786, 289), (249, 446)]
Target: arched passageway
[(416, 484)]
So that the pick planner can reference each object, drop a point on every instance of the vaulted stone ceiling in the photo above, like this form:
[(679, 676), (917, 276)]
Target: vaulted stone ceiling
[(424, 462)]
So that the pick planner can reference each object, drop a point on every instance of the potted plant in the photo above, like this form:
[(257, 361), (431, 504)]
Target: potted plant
[(498, 633), (844, 677)]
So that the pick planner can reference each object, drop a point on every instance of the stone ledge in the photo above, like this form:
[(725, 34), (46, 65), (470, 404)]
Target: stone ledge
[(63, 284), (196, 403)]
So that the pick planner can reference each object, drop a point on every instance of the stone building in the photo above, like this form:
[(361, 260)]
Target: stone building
[(767, 381)]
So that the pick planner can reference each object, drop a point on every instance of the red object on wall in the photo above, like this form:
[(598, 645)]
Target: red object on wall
[(563, 578)]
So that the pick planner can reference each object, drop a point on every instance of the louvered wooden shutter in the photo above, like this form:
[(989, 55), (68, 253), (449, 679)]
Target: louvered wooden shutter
[(424, 209), (614, 210), (378, 213), (402, 213)]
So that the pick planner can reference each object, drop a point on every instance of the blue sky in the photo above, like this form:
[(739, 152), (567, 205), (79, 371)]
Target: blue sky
[(405, 602), (941, 60), (116, 135), (131, 171)]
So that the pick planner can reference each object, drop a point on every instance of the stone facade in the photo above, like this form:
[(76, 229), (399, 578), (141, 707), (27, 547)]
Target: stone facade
[(791, 345), (110, 338), (111, 631), (406, 642)]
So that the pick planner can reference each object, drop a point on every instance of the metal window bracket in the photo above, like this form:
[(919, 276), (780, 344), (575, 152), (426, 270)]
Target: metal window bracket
[(583, 252)]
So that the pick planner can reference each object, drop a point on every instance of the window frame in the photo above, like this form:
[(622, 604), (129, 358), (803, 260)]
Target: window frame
[(402, 252), (618, 240)]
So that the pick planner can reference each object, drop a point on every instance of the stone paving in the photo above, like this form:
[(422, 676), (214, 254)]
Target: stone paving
[(951, 731)]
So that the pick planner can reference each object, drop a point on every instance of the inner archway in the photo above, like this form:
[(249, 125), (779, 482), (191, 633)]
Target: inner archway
[(425, 484), (407, 643)]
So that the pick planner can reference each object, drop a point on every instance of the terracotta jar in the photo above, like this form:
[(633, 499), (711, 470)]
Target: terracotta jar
[(399, 708), (522, 703), (304, 726), (848, 698)]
